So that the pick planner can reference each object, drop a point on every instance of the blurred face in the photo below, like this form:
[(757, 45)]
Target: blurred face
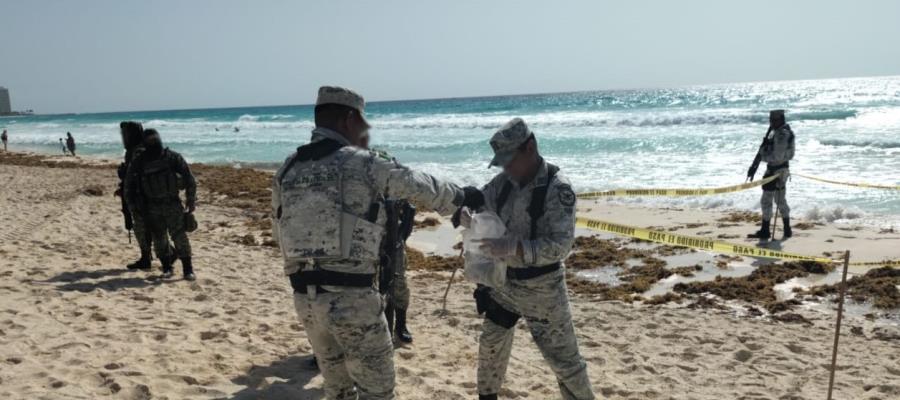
[(524, 163), (363, 141), (776, 120), (355, 128), (152, 140)]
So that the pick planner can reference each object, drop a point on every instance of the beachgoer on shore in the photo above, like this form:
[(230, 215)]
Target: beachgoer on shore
[(62, 145), (152, 187), (4, 138), (777, 149), (70, 143), (328, 185), (537, 205)]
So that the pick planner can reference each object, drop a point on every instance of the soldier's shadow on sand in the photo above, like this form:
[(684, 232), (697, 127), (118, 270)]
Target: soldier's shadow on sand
[(282, 380), (75, 280)]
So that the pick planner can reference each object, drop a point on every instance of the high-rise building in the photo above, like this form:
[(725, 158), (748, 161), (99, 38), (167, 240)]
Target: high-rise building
[(5, 105)]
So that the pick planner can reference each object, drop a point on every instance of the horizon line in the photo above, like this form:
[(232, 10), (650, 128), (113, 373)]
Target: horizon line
[(470, 97)]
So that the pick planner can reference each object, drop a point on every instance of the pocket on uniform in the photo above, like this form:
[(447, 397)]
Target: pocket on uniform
[(365, 240)]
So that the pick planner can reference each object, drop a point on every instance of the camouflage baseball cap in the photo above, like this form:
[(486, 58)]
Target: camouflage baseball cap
[(507, 140), (342, 96)]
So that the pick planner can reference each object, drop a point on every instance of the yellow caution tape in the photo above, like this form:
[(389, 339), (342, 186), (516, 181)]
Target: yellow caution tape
[(676, 192), (865, 185), (707, 244)]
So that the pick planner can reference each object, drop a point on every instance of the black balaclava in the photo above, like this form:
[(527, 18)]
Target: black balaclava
[(132, 134), (152, 143)]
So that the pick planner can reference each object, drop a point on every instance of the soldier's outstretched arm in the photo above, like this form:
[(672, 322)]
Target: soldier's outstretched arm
[(560, 216), (398, 181)]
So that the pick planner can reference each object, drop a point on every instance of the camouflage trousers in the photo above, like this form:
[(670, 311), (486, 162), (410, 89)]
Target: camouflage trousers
[(777, 193), (350, 338), (166, 220), (139, 227), (399, 298), (544, 304)]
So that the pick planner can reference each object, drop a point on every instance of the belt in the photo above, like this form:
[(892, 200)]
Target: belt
[(786, 164), (301, 279), (531, 272)]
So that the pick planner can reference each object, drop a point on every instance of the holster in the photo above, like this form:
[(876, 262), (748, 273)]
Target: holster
[(492, 310)]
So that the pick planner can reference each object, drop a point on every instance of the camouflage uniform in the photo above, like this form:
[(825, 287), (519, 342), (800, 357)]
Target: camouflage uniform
[(542, 300), (400, 291), (138, 226), (345, 323), (778, 150), (152, 188)]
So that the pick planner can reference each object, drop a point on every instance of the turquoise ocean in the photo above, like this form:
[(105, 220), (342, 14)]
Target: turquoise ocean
[(697, 136)]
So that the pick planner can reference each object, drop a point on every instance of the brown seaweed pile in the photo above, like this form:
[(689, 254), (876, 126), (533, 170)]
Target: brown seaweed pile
[(36, 160), (880, 285), (417, 261), (737, 217), (427, 223), (243, 188), (758, 287)]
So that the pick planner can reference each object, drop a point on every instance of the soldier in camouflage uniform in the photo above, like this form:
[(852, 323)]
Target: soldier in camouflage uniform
[(152, 189), (133, 138), (777, 149), (537, 205), (329, 225)]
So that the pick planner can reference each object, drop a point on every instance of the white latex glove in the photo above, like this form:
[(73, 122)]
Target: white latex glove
[(465, 217), (499, 248)]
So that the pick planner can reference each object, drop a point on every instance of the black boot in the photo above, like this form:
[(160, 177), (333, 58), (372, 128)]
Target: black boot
[(402, 333), (763, 233), (143, 263), (787, 228), (188, 269), (487, 397), (167, 270)]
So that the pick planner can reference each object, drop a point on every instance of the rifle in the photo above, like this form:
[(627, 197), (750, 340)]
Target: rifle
[(126, 213), (755, 165)]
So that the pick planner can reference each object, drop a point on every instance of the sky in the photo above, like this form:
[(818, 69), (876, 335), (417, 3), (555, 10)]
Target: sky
[(125, 55)]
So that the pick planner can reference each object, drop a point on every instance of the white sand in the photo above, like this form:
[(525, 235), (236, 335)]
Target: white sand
[(75, 324)]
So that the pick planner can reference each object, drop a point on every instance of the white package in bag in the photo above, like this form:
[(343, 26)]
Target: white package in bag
[(479, 267)]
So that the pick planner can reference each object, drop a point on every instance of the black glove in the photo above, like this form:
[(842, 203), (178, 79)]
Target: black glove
[(473, 198), (751, 173), (456, 217), (129, 223)]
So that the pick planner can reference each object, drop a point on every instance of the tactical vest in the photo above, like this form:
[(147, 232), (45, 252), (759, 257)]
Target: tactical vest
[(159, 180), (313, 225), (536, 207)]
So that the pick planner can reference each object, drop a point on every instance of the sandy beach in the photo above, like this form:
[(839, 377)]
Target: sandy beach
[(75, 324)]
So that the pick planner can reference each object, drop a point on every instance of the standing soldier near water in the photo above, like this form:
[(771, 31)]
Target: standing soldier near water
[(777, 149), (329, 223), (537, 205), (133, 140), (151, 189)]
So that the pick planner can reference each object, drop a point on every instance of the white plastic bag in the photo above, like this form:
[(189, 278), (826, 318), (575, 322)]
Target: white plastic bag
[(480, 268)]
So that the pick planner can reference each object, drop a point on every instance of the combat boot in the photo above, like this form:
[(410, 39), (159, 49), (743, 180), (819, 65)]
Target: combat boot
[(487, 397), (167, 270), (143, 263), (188, 269), (763, 233), (787, 228), (402, 333)]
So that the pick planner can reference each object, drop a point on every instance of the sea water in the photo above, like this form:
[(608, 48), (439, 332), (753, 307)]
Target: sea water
[(687, 137)]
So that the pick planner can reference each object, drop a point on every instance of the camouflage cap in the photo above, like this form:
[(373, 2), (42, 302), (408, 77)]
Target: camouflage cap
[(776, 113), (507, 140), (342, 96)]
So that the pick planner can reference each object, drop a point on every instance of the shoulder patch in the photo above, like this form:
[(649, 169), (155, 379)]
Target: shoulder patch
[(381, 154), (566, 195)]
